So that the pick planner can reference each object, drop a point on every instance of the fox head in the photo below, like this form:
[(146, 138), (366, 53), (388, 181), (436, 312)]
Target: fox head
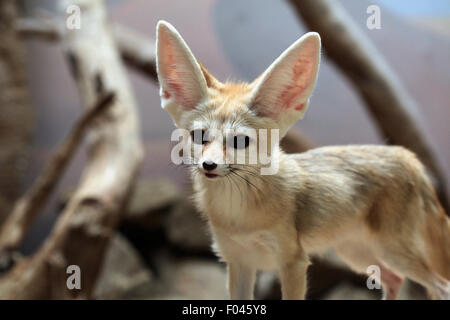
[(224, 117)]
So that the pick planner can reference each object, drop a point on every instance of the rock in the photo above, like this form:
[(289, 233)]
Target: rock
[(188, 278), (151, 201), (267, 286), (123, 274), (347, 291), (412, 291), (200, 279), (327, 271), (187, 230)]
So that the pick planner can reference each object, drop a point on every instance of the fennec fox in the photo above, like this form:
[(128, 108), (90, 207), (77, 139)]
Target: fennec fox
[(374, 204)]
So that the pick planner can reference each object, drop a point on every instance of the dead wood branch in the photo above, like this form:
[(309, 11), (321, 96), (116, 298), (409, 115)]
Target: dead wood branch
[(115, 151), (16, 119), (390, 105), (48, 30), (137, 50), (296, 142), (27, 207)]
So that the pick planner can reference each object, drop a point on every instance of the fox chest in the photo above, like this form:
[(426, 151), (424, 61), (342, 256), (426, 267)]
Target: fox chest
[(256, 249), (231, 207), (240, 234), (242, 231), (234, 210)]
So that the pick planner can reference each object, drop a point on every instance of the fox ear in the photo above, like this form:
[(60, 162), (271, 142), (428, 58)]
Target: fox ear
[(182, 84), (282, 92)]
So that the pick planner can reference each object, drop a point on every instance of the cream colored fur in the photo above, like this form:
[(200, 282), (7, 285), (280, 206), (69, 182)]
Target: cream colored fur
[(374, 204)]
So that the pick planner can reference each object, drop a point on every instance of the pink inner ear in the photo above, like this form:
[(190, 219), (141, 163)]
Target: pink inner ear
[(174, 76), (166, 94), (177, 90), (300, 80), (289, 94), (300, 107)]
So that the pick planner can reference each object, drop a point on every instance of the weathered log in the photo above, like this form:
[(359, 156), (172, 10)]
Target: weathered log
[(137, 50), (16, 120), (115, 151), (27, 207)]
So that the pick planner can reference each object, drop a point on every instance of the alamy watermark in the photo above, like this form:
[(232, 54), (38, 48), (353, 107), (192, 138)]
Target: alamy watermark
[(73, 21), (374, 279), (74, 280), (374, 20), (228, 147)]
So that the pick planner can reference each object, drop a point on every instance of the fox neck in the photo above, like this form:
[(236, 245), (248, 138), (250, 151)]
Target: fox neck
[(234, 197)]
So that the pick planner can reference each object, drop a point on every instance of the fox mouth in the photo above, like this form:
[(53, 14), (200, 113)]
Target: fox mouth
[(211, 175)]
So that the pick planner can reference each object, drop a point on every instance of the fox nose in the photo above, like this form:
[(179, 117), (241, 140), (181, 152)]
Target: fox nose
[(209, 165)]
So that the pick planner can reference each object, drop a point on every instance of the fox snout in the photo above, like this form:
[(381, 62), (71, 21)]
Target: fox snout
[(211, 169), (211, 162), (209, 165)]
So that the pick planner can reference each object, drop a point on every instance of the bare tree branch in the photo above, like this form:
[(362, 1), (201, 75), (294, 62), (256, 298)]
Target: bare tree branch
[(48, 29), (388, 102), (17, 118), (115, 152), (137, 50), (27, 207)]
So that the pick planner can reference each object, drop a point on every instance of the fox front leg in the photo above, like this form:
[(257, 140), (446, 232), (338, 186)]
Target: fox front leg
[(293, 278), (241, 281)]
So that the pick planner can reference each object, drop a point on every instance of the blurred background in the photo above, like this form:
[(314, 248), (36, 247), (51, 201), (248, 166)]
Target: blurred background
[(162, 247)]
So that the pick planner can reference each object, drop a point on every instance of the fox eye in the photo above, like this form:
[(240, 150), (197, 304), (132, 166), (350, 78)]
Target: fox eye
[(199, 136), (241, 141)]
